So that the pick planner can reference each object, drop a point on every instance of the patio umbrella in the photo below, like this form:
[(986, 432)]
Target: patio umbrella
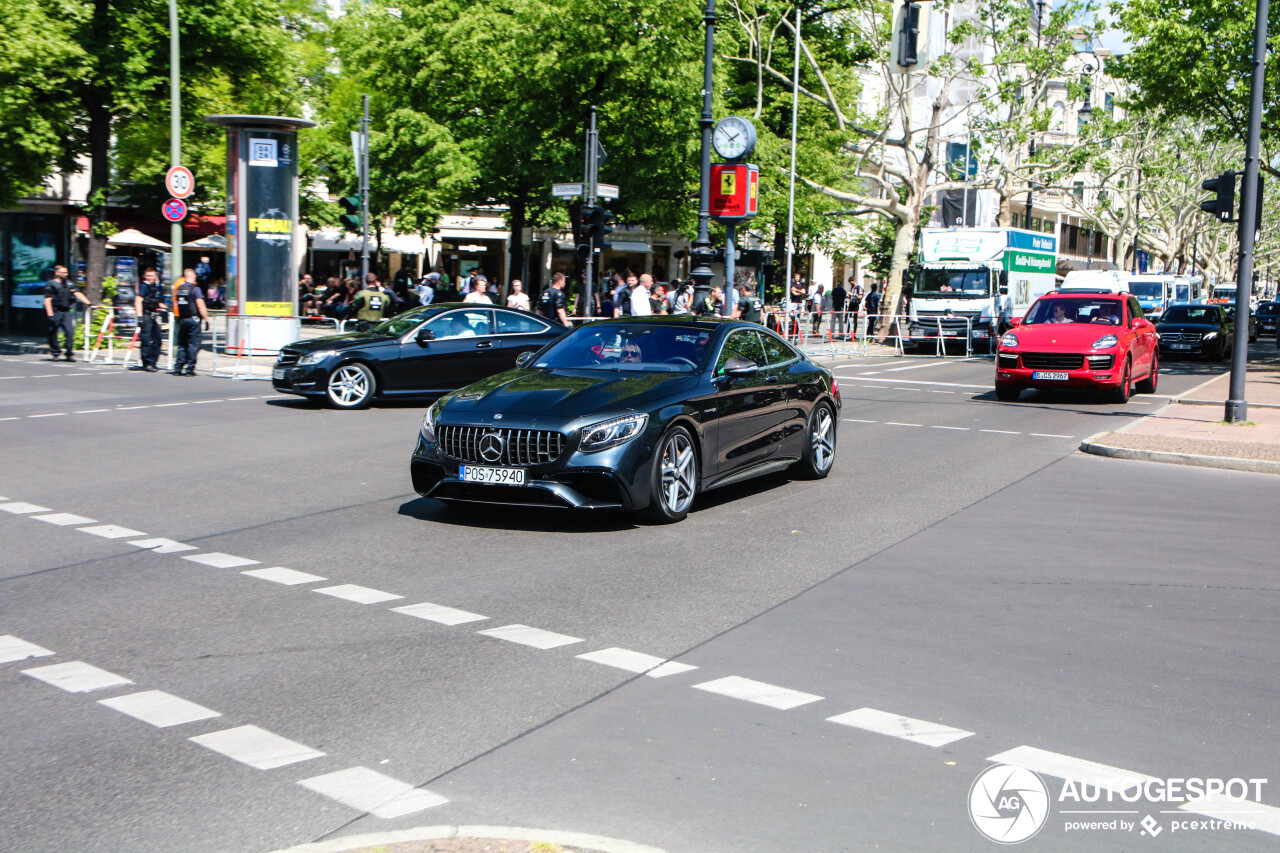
[(215, 242), (134, 237)]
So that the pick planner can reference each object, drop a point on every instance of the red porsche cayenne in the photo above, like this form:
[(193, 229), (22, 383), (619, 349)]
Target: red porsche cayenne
[(1082, 340)]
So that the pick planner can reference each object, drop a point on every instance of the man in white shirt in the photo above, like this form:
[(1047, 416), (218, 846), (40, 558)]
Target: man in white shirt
[(640, 306), (477, 293), (426, 289), (517, 298)]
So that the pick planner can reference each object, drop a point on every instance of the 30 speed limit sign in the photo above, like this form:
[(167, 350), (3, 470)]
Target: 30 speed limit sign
[(180, 182)]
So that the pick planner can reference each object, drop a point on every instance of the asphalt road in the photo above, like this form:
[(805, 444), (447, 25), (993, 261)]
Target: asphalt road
[(964, 584)]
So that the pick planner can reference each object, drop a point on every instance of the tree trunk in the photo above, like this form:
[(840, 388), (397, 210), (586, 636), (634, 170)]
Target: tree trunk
[(519, 206), (99, 189), (903, 242)]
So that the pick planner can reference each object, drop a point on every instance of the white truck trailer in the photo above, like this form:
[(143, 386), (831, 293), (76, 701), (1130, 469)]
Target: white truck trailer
[(975, 280)]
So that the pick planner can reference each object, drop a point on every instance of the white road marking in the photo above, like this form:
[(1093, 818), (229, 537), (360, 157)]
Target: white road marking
[(1049, 435), (652, 665), (9, 419), (961, 429), (46, 376), (90, 411), (925, 382), (526, 636), (230, 399), (369, 791), (167, 405), (273, 396), (158, 708), (877, 387), (358, 594), (76, 676), (1222, 807), (160, 545), (896, 423), (219, 560), (128, 408), (737, 687), (440, 613), (1001, 431), (63, 519), (1066, 767), (256, 747), (111, 531), (905, 389), (858, 421), (930, 364), (13, 648), (202, 402), (50, 415), (20, 508), (919, 731), (279, 574)]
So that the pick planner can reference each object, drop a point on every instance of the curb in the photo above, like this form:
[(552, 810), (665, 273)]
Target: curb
[(1189, 402), (1254, 466), (595, 843)]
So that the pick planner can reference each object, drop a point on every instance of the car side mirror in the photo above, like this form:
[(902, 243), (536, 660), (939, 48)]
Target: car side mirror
[(1015, 321), (1004, 290), (425, 335), (740, 368), (524, 358)]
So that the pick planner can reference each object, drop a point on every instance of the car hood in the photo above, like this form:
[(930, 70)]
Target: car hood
[(344, 341), (1165, 328), (566, 393)]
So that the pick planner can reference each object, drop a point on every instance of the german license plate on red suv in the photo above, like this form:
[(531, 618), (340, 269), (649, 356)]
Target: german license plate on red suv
[(1050, 374), (496, 476)]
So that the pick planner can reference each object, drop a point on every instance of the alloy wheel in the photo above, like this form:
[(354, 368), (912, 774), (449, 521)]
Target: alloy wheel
[(350, 385), (822, 439), (679, 473)]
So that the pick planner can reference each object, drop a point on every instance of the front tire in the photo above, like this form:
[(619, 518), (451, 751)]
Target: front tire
[(1008, 393), (1148, 385), (351, 386), (820, 447), (673, 477), (1121, 393)]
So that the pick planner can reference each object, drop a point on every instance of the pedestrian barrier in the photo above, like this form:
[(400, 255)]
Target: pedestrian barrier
[(107, 338)]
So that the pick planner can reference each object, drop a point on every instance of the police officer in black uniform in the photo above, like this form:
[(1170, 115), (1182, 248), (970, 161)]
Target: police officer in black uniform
[(149, 304), (60, 295), (750, 307), (553, 304), (188, 304)]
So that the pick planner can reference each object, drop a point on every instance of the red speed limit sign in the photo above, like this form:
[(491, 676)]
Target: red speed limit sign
[(180, 182)]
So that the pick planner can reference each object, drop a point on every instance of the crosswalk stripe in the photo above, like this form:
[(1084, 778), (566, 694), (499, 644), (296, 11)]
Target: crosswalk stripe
[(373, 793), (158, 708), (894, 725), (256, 747), (76, 676), (737, 687), (13, 649)]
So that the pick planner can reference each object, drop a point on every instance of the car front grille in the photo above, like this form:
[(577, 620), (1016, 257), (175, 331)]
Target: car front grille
[(1051, 360), (1181, 337), (1008, 359), (514, 446), (286, 358)]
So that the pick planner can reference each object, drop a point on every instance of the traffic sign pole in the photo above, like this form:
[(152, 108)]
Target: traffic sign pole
[(175, 138)]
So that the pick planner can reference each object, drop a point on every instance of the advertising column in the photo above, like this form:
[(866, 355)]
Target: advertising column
[(262, 212)]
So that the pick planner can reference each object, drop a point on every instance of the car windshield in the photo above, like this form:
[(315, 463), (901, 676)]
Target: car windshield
[(403, 324), (633, 347), (1082, 310), (1191, 314), (1147, 289), (1268, 309), (968, 282)]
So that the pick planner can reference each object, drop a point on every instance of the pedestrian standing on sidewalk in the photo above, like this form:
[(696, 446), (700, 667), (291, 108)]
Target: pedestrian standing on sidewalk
[(553, 304), (817, 303), (370, 304), (60, 294), (149, 304), (517, 298), (188, 303), (839, 296), (872, 305)]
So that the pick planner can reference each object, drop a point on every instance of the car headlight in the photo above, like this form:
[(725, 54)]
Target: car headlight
[(316, 357), (429, 423), (612, 432), (1209, 336), (1104, 342), (1009, 340)]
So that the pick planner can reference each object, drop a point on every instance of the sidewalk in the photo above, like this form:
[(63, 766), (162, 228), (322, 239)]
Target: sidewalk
[(1190, 430)]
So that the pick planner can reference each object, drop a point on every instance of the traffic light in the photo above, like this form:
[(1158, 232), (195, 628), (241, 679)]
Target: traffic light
[(908, 34), (1223, 204), (352, 220), (1257, 219), (601, 227)]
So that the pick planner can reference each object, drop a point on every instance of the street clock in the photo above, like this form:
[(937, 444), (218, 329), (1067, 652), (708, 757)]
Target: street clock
[(734, 138)]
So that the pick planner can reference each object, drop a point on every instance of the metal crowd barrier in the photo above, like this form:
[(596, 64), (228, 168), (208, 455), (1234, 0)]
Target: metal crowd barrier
[(100, 346)]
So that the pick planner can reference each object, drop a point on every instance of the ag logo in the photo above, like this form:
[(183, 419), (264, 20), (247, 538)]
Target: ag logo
[(1008, 804), (491, 447)]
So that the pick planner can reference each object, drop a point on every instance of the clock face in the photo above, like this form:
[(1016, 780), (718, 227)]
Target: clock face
[(733, 138)]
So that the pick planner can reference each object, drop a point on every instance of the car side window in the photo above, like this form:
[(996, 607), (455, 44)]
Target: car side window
[(518, 324), (461, 324), (744, 343), (776, 352), (1135, 309)]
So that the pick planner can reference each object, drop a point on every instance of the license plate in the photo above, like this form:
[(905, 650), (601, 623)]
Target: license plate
[(1050, 374), (277, 373), (499, 476), (951, 333), (1179, 346)]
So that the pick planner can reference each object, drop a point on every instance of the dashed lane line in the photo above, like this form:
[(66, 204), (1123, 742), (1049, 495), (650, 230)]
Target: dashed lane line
[(64, 519), (921, 382), (1062, 766), (526, 636), (960, 428), (758, 692), (439, 614), (358, 787), (894, 725), (219, 560), (1001, 431), (283, 576), (136, 408), (358, 594), (899, 423), (651, 665)]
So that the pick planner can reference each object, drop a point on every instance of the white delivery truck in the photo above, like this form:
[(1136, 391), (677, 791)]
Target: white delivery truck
[(975, 280), (1114, 281)]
